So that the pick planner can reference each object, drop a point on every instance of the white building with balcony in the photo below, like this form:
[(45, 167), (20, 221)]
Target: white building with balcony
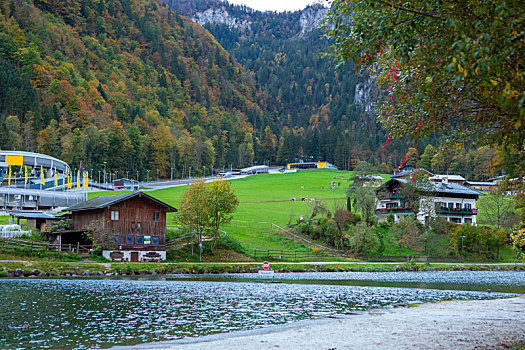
[(453, 201)]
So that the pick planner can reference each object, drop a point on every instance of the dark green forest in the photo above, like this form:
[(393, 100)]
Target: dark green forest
[(141, 87)]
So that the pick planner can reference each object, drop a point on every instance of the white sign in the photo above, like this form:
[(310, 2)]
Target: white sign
[(266, 273)]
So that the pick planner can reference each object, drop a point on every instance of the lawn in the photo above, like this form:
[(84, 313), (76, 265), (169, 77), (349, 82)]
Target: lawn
[(266, 199)]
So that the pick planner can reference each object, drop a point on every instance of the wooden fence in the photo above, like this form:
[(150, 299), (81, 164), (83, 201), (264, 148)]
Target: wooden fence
[(286, 254), (400, 258), (45, 246)]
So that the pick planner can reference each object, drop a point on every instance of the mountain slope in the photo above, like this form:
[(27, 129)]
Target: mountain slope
[(124, 81), (324, 112)]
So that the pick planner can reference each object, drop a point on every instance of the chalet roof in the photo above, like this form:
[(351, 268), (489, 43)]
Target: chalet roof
[(497, 178), (481, 183), (106, 201), (455, 188), (449, 177), (409, 172), (438, 187)]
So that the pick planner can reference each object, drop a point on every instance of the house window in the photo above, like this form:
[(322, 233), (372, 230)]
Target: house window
[(458, 205), (155, 240), (468, 221), (130, 239), (391, 205), (456, 220), (114, 215), (156, 217), (116, 238), (468, 206), (140, 239), (451, 205)]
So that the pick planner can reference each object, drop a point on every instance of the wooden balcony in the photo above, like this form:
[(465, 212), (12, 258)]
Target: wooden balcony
[(462, 211), (139, 247), (395, 210)]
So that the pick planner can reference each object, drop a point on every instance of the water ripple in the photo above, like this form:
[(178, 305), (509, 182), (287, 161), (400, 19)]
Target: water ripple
[(79, 314)]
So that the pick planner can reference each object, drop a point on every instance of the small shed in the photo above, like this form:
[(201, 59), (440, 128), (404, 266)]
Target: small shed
[(36, 219), (126, 184), (133, 225)]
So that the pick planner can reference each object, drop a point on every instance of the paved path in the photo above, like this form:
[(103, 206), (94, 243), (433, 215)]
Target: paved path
[(488, 324)]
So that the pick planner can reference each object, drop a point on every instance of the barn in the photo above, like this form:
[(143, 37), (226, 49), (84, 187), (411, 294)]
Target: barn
[(130, 227)]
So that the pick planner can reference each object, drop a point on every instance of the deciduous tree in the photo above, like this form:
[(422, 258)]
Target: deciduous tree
[(455, 66)]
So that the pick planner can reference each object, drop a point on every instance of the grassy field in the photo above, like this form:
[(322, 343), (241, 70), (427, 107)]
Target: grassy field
[(266, 199)]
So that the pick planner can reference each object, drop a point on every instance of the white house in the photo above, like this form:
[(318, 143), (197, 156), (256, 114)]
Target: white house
[(453, 201)]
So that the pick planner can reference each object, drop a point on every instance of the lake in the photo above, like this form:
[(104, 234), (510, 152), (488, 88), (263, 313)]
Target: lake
[(100, 313)]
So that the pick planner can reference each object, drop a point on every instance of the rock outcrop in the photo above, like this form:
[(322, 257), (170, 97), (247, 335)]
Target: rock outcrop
[(220, 15)]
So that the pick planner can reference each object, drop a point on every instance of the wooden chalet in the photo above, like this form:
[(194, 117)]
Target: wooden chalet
[(135, 224), (452, 201)]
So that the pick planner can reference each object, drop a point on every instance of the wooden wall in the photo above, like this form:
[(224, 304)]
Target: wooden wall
[(135, 217)]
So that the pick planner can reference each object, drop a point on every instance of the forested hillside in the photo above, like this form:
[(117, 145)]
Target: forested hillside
[(141, 87), (321, 116), (127, 82)]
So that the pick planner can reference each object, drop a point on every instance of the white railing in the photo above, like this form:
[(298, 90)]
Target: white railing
[(13, 234)]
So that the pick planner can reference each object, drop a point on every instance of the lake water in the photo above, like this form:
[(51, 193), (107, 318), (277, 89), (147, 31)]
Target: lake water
[(100, 313)]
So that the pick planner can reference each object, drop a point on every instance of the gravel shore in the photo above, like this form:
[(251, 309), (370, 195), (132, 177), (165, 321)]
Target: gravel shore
[(479, 324)]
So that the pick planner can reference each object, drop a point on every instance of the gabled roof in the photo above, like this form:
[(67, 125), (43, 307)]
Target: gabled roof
[(409, 172), (106, 201), (436, 187), (455, 188), (481, 183), (449, 177)]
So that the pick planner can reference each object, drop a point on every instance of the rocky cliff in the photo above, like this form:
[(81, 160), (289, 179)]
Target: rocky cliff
[(220, 15)]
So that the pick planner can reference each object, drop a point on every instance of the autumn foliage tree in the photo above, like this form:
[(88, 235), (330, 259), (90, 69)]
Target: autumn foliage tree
[(451, 67), (205, 207)]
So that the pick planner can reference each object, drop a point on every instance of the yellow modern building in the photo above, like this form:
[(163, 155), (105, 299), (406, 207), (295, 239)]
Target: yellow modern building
[(311, 165)]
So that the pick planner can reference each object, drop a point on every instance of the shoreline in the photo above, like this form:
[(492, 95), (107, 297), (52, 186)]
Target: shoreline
[(475, 324), (23, 268)]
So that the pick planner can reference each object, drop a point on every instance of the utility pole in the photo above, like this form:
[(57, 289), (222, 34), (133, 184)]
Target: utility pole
[(104, 173)]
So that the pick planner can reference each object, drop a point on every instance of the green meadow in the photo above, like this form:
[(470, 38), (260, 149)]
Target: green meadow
[(266, 199)]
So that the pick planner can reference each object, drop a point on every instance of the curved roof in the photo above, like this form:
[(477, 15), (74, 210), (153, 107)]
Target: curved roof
[(34, 160)]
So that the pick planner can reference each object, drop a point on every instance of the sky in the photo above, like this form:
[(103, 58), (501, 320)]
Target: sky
[(274, 5)]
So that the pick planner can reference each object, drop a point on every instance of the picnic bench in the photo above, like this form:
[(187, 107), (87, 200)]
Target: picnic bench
[(116, 256), (152, 257)]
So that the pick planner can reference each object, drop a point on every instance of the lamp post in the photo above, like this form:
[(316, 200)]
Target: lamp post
[(127, 174), (212, 171), (204, 171), (147, 177), (157, 175), (99, 177), (105, 173), (190, 173), (462, 238), (171, 174)]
